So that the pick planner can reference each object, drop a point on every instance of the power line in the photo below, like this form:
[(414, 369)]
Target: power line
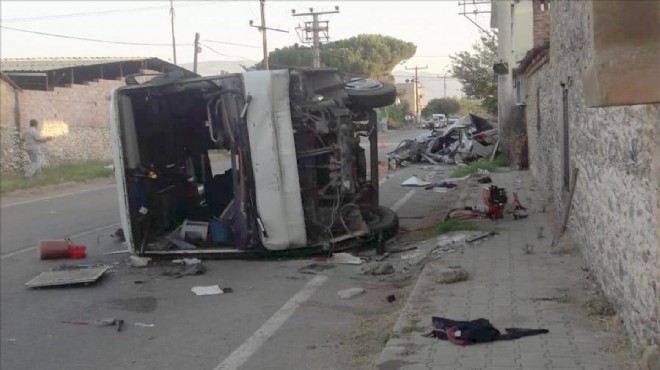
[(88, 39), (231, 43), (102, 12), (219, 53)]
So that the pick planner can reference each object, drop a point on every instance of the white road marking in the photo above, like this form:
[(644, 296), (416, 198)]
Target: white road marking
[(403, 200), (254, 342), (25, 250), (56, 196)]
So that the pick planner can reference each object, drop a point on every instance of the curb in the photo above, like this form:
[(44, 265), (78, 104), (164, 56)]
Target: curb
[(391, 349)]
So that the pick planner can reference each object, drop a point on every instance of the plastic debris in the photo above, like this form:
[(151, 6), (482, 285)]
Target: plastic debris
[(187, 261), (414, 181), (207, 290), (143, 325), (350, 293), (345, 258), (137, 261)]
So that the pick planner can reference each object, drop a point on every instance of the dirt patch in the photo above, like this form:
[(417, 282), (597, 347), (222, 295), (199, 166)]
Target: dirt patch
[(371, 331)]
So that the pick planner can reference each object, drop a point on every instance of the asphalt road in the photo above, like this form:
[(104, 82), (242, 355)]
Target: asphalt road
[(277, 317)]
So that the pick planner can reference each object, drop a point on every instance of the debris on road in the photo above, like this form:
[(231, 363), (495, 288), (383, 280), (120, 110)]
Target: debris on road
[(315, 267), (450, 275), (463, 333), (67, 277), (61, 248), (137, 261), (378, 268), (190, 270), (390, 298), (485, 180), (118, 323), (414, 181), (481, 236), (117, 252), (350, 293), (345, 259), (207, 290), (187, 261), (143, 325)]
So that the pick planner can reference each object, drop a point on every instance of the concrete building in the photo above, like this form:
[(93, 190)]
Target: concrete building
[(69, 97), (588, 89)]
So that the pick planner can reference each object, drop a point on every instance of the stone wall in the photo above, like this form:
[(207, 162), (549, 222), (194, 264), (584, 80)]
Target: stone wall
[(10, 152), (82, 110), (615, 218)]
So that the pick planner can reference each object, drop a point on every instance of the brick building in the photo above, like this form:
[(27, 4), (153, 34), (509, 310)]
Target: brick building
[(588, 88), (69, 97)]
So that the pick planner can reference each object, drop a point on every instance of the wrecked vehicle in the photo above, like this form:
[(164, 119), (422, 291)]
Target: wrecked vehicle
[(298, 179), (466, 139)]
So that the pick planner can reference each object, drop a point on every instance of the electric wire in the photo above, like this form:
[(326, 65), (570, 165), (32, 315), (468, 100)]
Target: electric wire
[(91, 40)]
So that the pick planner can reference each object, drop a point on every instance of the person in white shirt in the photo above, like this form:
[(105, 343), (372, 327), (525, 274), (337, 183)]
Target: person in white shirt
[(33, 141)]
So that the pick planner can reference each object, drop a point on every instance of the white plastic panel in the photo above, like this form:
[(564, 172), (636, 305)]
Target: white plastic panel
[(274, 160)]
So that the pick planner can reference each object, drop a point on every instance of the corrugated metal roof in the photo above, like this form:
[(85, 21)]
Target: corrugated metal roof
[(49, 64)]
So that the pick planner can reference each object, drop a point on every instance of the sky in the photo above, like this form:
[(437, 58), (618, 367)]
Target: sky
[(434, 26)]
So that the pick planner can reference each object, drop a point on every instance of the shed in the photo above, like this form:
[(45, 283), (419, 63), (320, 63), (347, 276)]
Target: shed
[(47, 73)]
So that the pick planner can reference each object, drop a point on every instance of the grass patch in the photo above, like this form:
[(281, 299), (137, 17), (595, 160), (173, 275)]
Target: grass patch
[(80, 171), (454, 225), (500, 161)]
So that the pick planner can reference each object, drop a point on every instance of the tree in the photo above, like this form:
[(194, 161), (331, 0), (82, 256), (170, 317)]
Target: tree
[(397, 112), (475, 71), (445, 106), (471, 106), (373, 56)]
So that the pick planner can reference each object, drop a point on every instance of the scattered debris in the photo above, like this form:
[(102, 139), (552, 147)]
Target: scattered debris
[(60, 248), (118, 323), (345, 258), (378, 268), (67, 277), (117, 252), (528, 249), (414, 181), (207, 290), (561, 299), (485, 180), (191, 270), (450, 275), (519, 211), (310, 346), (402, 250), (477, 237), (350, 293), (143, 325), (187, 261), (540, 233), (315, 267), (390, 298), (475, 331), (137, 261)]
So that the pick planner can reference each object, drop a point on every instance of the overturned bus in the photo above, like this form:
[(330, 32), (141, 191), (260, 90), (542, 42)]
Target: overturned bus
[(296, 179)]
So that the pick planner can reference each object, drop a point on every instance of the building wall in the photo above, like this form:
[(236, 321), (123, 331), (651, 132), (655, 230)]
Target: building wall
[(82, 111), (10, 152), (615, 218), (523, 34)]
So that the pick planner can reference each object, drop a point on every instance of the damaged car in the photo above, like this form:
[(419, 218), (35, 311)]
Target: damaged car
[(468, 138), (298, 179)]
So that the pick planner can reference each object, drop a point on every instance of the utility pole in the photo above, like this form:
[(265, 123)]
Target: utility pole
[(416, 91), (445, 85), (172, 20), (197, 50), (263, 29), (315, 28)]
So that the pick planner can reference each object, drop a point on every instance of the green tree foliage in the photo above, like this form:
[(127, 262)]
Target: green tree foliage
[(445, 106), (475, 71), (471, 106), (397, 112), (372, 56)]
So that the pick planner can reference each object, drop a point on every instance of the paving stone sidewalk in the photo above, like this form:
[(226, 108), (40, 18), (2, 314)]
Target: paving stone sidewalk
[(511, 287)]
